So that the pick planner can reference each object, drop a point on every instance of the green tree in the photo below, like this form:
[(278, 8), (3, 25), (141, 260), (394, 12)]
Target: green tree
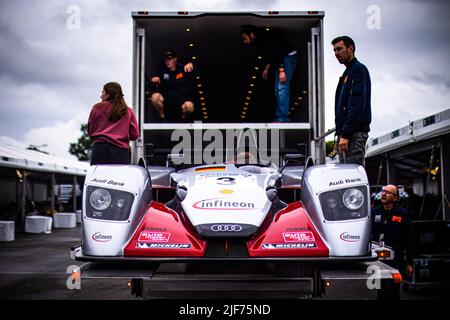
[(82, 148)]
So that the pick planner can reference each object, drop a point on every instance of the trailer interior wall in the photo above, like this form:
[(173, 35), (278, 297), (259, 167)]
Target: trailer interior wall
[(225, 65)]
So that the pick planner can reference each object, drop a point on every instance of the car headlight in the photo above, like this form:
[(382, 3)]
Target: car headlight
[(332, 201), (353, 199), (109, 204), (100, 199), (344, 204)]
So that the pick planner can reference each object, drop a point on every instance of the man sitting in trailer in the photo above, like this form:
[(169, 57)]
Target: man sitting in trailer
[(173, 90)]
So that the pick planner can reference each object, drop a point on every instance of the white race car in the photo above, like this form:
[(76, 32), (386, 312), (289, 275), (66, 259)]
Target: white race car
[(226, 212)]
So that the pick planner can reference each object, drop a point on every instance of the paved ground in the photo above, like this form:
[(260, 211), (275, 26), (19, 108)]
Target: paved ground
[(34, 267)]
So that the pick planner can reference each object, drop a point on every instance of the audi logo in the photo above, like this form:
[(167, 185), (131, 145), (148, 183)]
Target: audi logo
[(226, 228)]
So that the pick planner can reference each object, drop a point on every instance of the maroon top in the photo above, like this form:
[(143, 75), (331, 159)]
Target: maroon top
[(118, 133)]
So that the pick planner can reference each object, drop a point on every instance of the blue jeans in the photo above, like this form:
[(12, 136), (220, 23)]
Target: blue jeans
[(283, 90)]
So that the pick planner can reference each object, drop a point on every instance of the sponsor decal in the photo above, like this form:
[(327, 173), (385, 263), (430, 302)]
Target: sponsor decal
[(345, 236), (289, 245), (377, 218), (147, 236), (226, 228), (101, 237), (294, 229), (166, 76), (344, 181), (306, 236), (219, 174), (222, 204), (226, 191), (224, 174), (146, 245), (110, 182), (179, 76), (206, 169), (154, 229), (397, 219)]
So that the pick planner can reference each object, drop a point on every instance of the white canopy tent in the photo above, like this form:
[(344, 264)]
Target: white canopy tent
[(17, 164), (19, 158)]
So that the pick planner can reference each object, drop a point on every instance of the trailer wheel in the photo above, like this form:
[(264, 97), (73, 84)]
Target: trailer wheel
[(389, 291), (137, 287)]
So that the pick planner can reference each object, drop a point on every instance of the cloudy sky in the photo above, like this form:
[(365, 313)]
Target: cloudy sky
[(51, 73)]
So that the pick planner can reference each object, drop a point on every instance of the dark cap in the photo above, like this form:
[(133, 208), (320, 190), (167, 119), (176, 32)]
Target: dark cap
[(169, 54)]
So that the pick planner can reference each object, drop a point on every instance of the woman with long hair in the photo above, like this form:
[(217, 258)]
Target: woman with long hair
[(111, 126)]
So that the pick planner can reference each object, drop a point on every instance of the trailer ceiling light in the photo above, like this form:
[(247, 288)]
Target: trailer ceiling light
[(253, 77), (194, 58), (256, 68), (259, 57), (252, 84), (250, 92), (199, 85), (188, 30), (191, 44)]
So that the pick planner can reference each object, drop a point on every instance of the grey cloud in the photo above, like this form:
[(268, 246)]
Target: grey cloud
[(412, 45), (432, 79), (21, 62)]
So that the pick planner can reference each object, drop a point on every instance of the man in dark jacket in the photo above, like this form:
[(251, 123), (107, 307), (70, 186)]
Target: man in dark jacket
[(352, 104), (393, 223), (279, 54), (173, 89)]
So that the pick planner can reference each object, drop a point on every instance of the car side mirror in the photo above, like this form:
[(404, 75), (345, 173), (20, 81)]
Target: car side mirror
[(292, 157)]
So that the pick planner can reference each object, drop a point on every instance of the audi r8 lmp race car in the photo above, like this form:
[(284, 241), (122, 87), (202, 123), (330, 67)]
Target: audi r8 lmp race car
[(214, 204), (226, 213)]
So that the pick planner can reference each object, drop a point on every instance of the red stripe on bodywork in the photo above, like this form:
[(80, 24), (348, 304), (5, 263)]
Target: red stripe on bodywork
[(292, 219), (161, 219)]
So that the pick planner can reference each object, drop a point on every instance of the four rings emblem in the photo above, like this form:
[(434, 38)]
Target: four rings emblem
[(226, 228)]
